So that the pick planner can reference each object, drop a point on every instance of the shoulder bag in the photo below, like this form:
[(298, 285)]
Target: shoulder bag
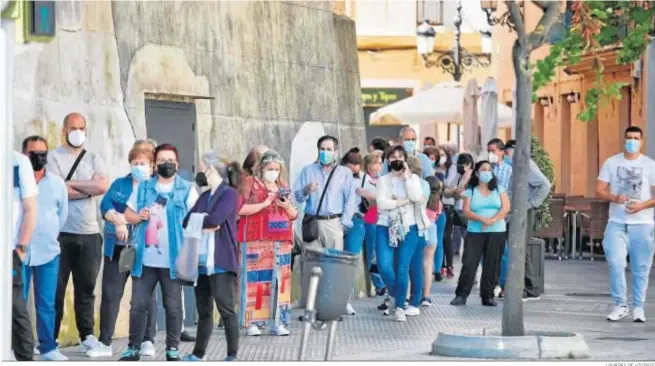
[(128, 254), (364, 205), (310, 222), (75, 164), (458, 217)]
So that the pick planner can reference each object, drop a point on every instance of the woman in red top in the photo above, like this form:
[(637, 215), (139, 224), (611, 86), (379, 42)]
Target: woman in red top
[(266, 237)]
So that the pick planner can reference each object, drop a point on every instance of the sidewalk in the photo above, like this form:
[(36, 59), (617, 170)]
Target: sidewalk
[(577, 300)]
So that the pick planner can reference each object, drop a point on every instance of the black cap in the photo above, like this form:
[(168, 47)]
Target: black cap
[(511, 144)]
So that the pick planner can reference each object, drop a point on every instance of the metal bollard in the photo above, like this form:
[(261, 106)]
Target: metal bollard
[(329, 350), (310, 313)]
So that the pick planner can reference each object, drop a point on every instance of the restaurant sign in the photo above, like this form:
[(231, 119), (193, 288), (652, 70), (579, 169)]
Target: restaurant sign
[(376, 97)]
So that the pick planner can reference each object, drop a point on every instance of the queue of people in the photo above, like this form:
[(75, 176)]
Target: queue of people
[(230, 235)]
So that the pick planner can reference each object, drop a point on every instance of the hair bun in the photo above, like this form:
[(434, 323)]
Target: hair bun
[(354, 150)]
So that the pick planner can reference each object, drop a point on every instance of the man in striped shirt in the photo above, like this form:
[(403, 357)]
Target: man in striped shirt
[(501, 170)]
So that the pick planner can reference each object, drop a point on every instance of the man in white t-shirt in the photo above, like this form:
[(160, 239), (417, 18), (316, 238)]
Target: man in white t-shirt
[(627, 180), (24, 217)]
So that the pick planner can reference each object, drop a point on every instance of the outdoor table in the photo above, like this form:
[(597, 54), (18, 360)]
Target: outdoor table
[(573, 212)]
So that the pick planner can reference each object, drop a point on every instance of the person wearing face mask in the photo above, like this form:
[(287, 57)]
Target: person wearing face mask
[(165, 199), (266, 216), (326, 189), (80, 238), (502, 171), (217, 208), (453, 204), (485, 205), (401, 217), (372, 169), (408, 138), (627, 181), (42, 261), (116, 234)]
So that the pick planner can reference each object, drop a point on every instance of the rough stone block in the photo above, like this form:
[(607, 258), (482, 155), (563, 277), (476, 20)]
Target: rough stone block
[(563, 346)]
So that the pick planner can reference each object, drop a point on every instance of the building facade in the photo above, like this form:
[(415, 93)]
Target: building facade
[(578, 149), (389, 63), (204, 75)]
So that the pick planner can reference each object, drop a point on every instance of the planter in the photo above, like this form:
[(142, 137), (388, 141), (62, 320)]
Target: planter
[(533, 346)]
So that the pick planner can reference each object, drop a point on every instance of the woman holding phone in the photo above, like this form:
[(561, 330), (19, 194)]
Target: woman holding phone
[(266, 233)]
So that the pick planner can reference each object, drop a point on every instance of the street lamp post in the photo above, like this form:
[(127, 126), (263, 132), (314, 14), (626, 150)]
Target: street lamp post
[(456, 61)]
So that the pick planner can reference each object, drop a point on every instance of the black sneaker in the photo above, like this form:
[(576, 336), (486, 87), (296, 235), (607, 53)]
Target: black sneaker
[(172, 354), (458, 301), (426, 301), (381, 292), (384, 305), (489, 302), (131, 353), (438, 277), (527, 297), (186, 337), (220, 324)]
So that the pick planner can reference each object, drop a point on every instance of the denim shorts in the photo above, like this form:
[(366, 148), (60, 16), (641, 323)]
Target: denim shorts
[(431, 236)]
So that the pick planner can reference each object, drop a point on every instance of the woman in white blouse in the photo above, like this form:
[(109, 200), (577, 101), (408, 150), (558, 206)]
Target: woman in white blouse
[(400, 219)]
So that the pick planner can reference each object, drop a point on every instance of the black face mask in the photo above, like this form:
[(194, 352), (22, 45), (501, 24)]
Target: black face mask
[(396, 165), (460, 169), (167, 169), (201, 180), (39, 159)]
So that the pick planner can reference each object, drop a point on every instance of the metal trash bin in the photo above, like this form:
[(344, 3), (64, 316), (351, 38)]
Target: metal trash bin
[(536, 254), (339, 273)]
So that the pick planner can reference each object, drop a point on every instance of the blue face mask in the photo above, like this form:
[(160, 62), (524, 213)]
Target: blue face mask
[(632, 146), (140, 172), (326, 157), (507, 160), (409, 146), (486, 176)]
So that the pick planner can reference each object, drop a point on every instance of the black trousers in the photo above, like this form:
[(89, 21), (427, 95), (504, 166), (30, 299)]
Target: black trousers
[(113, 286), (81, 255), (531, 276), (22, 339), (220, 289), (448, 237), (486, 246), (143, 290)]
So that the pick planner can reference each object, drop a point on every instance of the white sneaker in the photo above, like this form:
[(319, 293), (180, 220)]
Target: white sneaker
[(89, 342), (400, 315), (53, 355), (279, 330), (253, 331), (99, 350), (638, 315), (350, 310), (412, 311), (36, 351), (618, 313), (147, 349)]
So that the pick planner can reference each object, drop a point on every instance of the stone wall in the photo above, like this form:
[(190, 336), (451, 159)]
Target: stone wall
[(271, 72)]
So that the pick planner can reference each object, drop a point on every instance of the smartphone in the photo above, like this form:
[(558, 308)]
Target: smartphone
[(284, 194)]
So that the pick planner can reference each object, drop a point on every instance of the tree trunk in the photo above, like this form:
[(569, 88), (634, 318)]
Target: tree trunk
[(513, 304)]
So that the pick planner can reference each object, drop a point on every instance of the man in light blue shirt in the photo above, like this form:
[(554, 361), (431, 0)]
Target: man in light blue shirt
[(43, 258), (408, 138), (334, 217)]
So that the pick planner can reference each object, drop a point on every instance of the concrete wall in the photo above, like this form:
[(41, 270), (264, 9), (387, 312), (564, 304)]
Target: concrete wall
[(260, 72)]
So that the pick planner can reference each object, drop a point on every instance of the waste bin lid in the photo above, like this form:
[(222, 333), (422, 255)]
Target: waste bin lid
[(331, 252)]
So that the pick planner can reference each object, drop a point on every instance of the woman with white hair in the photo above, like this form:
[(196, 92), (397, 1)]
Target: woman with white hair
[(266, 233), (217, 273)]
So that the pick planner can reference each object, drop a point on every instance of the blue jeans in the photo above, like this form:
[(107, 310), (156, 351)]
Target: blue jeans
[(438, 253), (369, 241), (396, 277), (45, 288), (636, 241), (353, 241)]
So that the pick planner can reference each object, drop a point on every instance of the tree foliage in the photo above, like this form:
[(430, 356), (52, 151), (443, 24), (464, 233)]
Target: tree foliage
[(594, 26)]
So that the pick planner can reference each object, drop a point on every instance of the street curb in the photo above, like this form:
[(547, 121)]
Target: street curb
[(533, 346)]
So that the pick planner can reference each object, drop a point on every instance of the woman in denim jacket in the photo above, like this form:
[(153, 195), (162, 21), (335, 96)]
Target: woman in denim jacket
[(116, 232), (165, 198)]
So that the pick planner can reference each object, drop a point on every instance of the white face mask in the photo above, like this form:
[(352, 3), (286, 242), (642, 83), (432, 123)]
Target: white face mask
[(271, 175), (442, 160), (76, 138), (493, 158)]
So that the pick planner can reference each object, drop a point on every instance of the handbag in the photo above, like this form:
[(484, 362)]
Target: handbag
[(458, 217), (128, 254), (364, 205), (309, 226)]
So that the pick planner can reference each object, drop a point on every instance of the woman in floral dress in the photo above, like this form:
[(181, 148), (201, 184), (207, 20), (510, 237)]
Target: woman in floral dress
[(265, 232)]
